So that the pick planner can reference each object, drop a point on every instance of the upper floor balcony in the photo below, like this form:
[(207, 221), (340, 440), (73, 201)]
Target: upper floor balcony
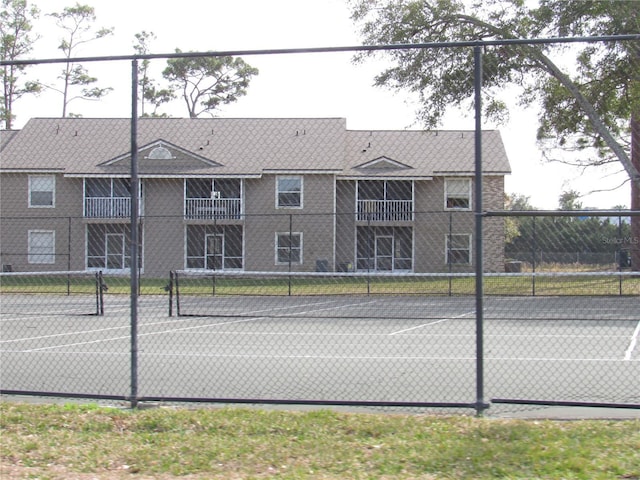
[(107, 207), (213, 199), (108, 198), (384, 201), (213, 209), (385, 211)]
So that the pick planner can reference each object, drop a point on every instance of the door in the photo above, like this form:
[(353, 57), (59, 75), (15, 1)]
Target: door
[(215, 251), (384, 253), (115, 251)]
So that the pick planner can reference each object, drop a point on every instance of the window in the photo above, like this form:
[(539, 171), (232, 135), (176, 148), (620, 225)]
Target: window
[(42, 189), (289, 192), (289, 248), (458, 249), (42, 246), (457, 194)]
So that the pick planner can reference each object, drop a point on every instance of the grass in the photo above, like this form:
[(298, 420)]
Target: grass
[(575, 284), (514, 285), (73, 441)]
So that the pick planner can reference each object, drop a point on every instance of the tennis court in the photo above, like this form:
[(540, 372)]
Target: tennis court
[(335, 348)]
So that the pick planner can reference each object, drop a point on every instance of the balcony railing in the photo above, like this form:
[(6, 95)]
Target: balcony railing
[(385, 210), (107, 207), (213, 208)]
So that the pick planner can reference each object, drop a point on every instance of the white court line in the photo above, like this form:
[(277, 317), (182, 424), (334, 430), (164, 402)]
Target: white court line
[(432, 323), (66, 334), (171, 330), (632, 343), (124, 337)]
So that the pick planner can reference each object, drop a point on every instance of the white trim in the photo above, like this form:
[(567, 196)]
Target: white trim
[(39, 171), (276, 244), (53, 191), (300, 171), (469, 195), (277, 189), (446, 248), (163, 176), (383, 177), (393, 164)]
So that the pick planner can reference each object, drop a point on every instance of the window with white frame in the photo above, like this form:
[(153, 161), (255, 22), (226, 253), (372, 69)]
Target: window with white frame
[(42, 246), (42, 191), (457, 194), (458, 251), (289, 192), (289, 248)]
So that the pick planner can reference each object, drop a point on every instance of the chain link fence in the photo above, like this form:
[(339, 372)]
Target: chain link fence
[(297, 261)]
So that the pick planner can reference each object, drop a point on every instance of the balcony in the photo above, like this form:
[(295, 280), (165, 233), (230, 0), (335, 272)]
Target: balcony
[(213, 209), (107, 207), (385, 211)]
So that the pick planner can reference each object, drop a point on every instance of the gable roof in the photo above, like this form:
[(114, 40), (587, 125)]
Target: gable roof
[(425, 152), (244, 147)]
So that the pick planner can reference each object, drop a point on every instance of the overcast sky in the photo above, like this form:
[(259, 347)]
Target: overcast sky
[(300, 85)]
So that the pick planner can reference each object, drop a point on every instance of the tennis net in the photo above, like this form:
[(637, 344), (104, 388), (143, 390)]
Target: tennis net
[(52, 293), (201, 293)]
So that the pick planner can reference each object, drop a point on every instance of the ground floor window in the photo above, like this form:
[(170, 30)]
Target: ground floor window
[(458, 250), (289, 248), (109, 247), (42, 246), (214, 247), (384, 248)]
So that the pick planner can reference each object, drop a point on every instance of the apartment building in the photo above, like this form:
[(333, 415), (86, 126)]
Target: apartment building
[(247, 194)]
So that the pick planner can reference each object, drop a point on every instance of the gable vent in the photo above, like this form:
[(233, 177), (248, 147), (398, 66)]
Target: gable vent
[(160, 153)]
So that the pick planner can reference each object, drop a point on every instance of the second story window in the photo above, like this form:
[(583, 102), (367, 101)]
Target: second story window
[(289, 192), (457, 194), (42, 191)]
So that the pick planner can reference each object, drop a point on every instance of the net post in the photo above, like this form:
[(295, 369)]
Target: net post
[(97, 284), (170, 290), (102, 288), (290, 250), (177, 287)]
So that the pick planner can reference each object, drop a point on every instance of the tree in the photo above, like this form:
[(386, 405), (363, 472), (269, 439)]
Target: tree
[(570, 200), (594, 107), (148, 87), (205, 83), (16, 41), (77, 22), (516, 202)]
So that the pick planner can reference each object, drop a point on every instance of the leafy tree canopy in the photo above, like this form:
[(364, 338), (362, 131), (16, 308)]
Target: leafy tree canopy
[(16, 41), (587, 108), (77, 23), (206, 83)]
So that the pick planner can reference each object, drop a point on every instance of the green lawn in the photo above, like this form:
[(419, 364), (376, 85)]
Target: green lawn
[(360, 285), (69, 442)]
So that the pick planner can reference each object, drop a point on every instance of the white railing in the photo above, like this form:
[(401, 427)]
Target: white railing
[(213, 208), (107, 207), (385, 210)]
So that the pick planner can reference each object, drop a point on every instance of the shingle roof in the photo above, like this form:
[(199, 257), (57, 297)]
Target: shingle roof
[(6, 136), (245, 146)]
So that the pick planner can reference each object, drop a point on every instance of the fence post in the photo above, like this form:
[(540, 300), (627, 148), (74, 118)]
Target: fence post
[(133, 268), (481, 405)]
